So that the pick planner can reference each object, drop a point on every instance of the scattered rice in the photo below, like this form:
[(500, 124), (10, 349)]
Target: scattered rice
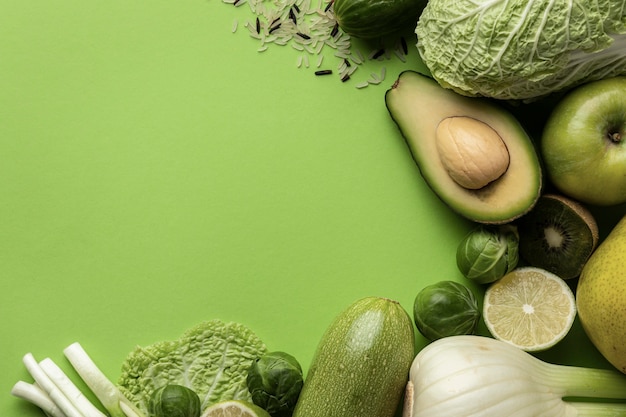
[(309, 26)]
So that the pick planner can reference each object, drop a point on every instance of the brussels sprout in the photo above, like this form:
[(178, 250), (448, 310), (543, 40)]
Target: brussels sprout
[(275, 381), (174, 401), (446, 308), (487, 253)]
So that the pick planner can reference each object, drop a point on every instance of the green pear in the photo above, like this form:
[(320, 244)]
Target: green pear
[(601, 297)]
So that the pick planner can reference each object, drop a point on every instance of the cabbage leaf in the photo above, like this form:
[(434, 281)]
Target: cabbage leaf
[(211, 359), (521, 49)]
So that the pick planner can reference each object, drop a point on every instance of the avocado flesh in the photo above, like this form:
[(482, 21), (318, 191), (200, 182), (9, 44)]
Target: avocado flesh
[(418, 104)]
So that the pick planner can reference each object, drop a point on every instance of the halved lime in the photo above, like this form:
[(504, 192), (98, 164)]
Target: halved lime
[(530, 308)]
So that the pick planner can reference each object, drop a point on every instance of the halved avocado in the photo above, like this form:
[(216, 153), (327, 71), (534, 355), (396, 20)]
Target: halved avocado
[(418, 105)]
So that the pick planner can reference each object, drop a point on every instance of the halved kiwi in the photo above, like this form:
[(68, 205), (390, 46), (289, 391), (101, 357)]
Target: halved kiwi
[(558, 234)]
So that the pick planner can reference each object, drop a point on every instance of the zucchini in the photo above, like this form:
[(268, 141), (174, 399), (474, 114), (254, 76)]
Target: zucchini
[(361, 364)]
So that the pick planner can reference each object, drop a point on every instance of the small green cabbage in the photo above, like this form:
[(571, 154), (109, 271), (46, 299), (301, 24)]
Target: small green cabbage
[(447, 308), (275, 381), (521, 49), (212, 359), (174, 401), (487, 253)]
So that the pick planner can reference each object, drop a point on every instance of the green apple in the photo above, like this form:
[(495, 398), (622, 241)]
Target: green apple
[(584, 143)]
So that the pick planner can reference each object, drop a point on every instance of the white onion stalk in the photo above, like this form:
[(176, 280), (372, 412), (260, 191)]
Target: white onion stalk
[(49, 387), (477, 376), (57, 396), (71, 391), (106, 391), (36, 396)]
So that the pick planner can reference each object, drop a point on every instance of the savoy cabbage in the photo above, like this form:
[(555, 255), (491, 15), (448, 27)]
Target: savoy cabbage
[(211, 358), (521, 49)]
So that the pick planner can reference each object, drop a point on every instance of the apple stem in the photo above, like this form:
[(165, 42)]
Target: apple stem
[(615, 137)]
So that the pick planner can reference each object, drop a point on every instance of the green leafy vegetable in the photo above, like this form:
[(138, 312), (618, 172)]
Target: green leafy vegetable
[(487, 253), (521, 49), (275, 381), (174, 401), (444, 309), (212, 359)]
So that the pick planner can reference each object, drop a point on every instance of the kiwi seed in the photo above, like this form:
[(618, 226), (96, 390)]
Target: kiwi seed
[(558, 234)]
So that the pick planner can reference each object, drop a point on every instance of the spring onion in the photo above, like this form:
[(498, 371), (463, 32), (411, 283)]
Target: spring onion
[(106, 391), (57, 396)]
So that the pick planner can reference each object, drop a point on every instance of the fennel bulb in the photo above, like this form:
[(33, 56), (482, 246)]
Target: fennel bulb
[(521, 49), (477, 376)]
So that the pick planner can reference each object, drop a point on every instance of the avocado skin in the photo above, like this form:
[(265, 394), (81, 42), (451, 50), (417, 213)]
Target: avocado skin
[(417, 103)]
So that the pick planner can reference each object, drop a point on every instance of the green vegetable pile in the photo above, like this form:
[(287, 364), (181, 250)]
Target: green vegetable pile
[(513, 50)]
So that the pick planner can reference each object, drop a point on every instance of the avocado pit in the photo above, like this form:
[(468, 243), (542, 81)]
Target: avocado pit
[(472, 152)]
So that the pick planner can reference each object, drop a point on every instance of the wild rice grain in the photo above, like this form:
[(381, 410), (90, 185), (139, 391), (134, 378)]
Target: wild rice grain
[(324, 72), (377, 54), (405, 48)]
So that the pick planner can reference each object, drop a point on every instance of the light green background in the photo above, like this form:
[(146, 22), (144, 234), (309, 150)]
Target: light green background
[(157, 171)]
